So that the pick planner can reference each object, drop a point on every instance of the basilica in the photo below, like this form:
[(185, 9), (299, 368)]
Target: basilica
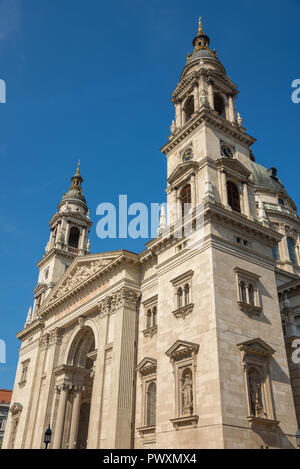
[(183, 345)]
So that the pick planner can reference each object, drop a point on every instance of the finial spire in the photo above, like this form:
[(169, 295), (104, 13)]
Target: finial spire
[(200, 29), (78, 168)]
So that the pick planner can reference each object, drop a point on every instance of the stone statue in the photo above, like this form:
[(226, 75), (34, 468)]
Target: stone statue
[(256, 394), (173, 127), (187, 393)]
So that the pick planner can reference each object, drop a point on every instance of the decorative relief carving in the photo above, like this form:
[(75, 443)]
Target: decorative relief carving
[(52, 337), (81, 274), (104, 306), (125, 297)]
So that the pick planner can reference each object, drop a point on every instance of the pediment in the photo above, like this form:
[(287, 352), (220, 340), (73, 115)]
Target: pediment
[(80, 271), (256, 347), (182, 169), (233, 166), (181, 349), (147, 366)]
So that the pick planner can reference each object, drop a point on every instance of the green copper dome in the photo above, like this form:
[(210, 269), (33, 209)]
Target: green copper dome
[(266, 178)]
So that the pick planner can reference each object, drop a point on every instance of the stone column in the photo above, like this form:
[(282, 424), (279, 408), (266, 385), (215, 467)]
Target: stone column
[(246, 198), (285, 248), (182, 116), (59, 428), (121, 399), (75, 418), (210, 96), (82, 238), (231, 108), (178, 115), (67, 233), (194, 197), (224, 188), (196, 97)]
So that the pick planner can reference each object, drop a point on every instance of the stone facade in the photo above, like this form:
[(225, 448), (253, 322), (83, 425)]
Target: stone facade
[(182, 345)]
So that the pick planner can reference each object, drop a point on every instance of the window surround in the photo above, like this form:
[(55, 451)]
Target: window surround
[(249, 300), (24, 372), (150, 316), (256, 355), (147, 369), (16, 410), (182, 286), (183, 356)]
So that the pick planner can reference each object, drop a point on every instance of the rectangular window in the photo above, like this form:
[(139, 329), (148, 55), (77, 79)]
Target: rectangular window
[(182, 290), (248, 292), (150, 316), (147, 373)]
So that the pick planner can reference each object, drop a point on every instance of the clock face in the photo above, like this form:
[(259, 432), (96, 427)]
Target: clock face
[(226, 151), (187, 154)]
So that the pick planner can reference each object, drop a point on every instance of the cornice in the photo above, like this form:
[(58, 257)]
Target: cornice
[(35, 326), (217, 212), (205, 115), (204, 73), (76, 216), (54, 252)]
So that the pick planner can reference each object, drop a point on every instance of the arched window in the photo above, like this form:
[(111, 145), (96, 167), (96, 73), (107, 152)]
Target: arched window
[(148, 318), (292, 250), (186, 294), (179, 297), (74, 237), (243, 292), (251, 294), (219, 105), (151, 405), (233, 196), (185, 199), (189, 108), (154, 316)]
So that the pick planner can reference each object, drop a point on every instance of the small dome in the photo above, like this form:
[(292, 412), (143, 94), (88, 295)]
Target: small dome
[(266, 178), (74, 194), (202, 51)]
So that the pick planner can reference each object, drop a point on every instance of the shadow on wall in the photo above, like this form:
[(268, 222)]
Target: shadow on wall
[(273, 438)]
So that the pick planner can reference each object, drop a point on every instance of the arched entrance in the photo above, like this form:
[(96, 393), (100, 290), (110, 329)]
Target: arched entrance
[(75, 386), (81, 357)]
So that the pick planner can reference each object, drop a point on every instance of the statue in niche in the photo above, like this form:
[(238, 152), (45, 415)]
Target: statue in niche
[(187, 392), (256, 401)]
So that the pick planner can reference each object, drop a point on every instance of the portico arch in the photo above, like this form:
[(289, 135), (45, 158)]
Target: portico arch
[(75, 385)]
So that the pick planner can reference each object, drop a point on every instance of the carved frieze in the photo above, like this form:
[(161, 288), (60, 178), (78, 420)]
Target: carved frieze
[(81, 274)]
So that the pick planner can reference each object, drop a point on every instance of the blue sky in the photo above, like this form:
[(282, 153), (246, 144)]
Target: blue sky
[(92, 80)]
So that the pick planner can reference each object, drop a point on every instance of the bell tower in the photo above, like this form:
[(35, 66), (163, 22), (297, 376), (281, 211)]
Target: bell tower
[(208, 152), (69, 229)]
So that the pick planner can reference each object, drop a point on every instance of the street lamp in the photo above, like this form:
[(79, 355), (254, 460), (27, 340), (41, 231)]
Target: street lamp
[(298, 436), (47, 437)]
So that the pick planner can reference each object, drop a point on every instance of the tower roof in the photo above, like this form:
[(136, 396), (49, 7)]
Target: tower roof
[(74, 193), (202, 50), (266, 178)]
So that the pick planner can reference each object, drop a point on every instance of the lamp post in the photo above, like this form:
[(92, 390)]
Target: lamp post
[(298, 436), (47, 437)]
